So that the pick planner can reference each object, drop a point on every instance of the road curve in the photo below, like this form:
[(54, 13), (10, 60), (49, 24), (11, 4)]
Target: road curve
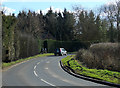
[(43, 71)]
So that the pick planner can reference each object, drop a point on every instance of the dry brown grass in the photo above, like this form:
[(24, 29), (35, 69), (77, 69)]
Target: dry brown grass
[(101, 56)]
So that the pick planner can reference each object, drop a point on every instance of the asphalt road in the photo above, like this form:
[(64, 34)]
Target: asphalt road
[(43, 71)]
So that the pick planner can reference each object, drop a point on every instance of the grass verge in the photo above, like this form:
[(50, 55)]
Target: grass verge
[(106, 75), (72, 52), (4, 65)]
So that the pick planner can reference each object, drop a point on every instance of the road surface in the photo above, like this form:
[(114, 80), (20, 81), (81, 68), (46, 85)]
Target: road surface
[(43, 71)]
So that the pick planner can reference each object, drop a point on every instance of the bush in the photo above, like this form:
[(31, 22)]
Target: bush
[(101, 56)]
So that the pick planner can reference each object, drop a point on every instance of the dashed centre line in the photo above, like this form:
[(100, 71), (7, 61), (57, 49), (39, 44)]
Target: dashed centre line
[(38, 63), (35, 74), (39, 77), (46, 68), (47, 62), (35, 67)]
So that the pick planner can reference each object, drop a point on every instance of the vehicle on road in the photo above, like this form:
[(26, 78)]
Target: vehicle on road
[(60, 52)]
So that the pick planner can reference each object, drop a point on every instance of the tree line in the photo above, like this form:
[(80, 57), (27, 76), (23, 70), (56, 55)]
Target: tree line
[(103, 26), (21, 33), (52, 25), (85, 26)]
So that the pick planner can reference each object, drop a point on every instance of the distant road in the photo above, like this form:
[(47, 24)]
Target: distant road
[(43, 71)]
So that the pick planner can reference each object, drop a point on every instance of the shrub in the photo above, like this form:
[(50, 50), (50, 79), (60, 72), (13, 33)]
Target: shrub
[(101, 56)]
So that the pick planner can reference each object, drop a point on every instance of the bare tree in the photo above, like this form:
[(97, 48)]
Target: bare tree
[(2, 9), (112, 12), (109, 11), (118, 18)]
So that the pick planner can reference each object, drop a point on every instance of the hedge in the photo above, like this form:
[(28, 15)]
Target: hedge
[(70, 46), (25, 45)]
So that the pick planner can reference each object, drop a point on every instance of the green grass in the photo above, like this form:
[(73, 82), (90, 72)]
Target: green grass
[(71, 52), (4, 65), (106, 75)]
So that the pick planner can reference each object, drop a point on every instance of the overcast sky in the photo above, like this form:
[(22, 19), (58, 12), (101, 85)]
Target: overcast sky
[(14, 6)]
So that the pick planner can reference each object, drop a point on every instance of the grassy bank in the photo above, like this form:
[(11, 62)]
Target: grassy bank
[(4, 65), (106, 75)]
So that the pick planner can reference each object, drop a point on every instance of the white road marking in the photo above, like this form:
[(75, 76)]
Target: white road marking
[(42, 79), (47, 82), (46, 68), (38, 63), (35, 74), (48, 62), (66, 80), (59, 64), (35, 67), (17, 64)]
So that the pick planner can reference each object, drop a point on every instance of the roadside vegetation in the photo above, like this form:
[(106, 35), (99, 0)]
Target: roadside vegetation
[(79, 68), (4, 65), (27, 33), (101, 56)]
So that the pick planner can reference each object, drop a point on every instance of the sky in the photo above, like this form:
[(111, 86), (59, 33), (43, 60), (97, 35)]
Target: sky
[(14, 6)]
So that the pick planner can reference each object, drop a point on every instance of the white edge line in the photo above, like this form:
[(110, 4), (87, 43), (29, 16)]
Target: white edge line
[(59, 64), (47, 82), (17, 64), (35, 74)]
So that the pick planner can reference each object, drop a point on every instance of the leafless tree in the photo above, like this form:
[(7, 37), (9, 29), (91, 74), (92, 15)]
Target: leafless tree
[(112, 13)]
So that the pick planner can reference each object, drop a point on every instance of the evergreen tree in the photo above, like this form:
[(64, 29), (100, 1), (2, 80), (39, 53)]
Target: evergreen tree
[(51, 22), (98, 23), (104, 31), (59, 30), (68, 25), (8, 27)]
